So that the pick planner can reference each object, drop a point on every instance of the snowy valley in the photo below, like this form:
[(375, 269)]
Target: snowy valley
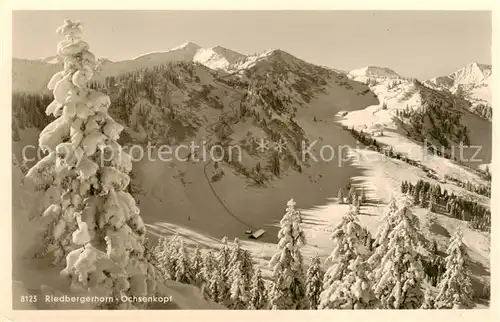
[(373, 189)]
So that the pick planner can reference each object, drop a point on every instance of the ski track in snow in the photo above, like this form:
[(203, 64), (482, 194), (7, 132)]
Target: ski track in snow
[(211, 131)]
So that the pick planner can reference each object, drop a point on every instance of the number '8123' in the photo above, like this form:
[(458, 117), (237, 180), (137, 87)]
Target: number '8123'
[(29, 298)]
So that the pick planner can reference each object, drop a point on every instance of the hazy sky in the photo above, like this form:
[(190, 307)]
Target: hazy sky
[(421, 44)]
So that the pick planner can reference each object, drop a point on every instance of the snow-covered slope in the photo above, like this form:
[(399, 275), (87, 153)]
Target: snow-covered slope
[(188, 101), (253, 106), (436, 115)]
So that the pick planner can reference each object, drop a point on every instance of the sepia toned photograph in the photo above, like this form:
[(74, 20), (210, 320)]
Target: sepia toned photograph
[(251, 160)]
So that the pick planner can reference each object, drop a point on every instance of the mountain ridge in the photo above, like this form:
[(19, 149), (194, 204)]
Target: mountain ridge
[(375, 72), (472, 73), (473, 83)]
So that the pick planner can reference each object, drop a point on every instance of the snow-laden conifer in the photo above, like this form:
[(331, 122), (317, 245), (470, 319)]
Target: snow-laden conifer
[(223, 268), (454, 289), (162, 257), (88, 168), (170, 256), (346, 284), (240, 274), (352, 291), (209, 265), (398, 278), (314, 283), (382, 236), (183, 270), (288, 272), (239, 293), (211, 276), (258, 292), (197, 266)]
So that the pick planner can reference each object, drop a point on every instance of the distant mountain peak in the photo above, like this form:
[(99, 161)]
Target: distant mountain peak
[(189, 48), (187, 45), (472, 74), (474, 83), (479, 65), (229, 54), (373, 72), (279, 54), (218, 57), (221, 50)]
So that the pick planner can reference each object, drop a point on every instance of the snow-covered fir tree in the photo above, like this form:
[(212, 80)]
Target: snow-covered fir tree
[(454, 289), (247, 270), (209, 264), (239, 293), (183, 269), (223, 268), (166, 254), (241, 271), (162, 257), (197, 267), (279, 297), (353, 291), (346, 284), (398, 278), (211, 276), (392, 206), (214, 284), (158, 249), (288, 290), (241, 259), (258, 292), (382, 236), (88, 170), (314, 282)]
